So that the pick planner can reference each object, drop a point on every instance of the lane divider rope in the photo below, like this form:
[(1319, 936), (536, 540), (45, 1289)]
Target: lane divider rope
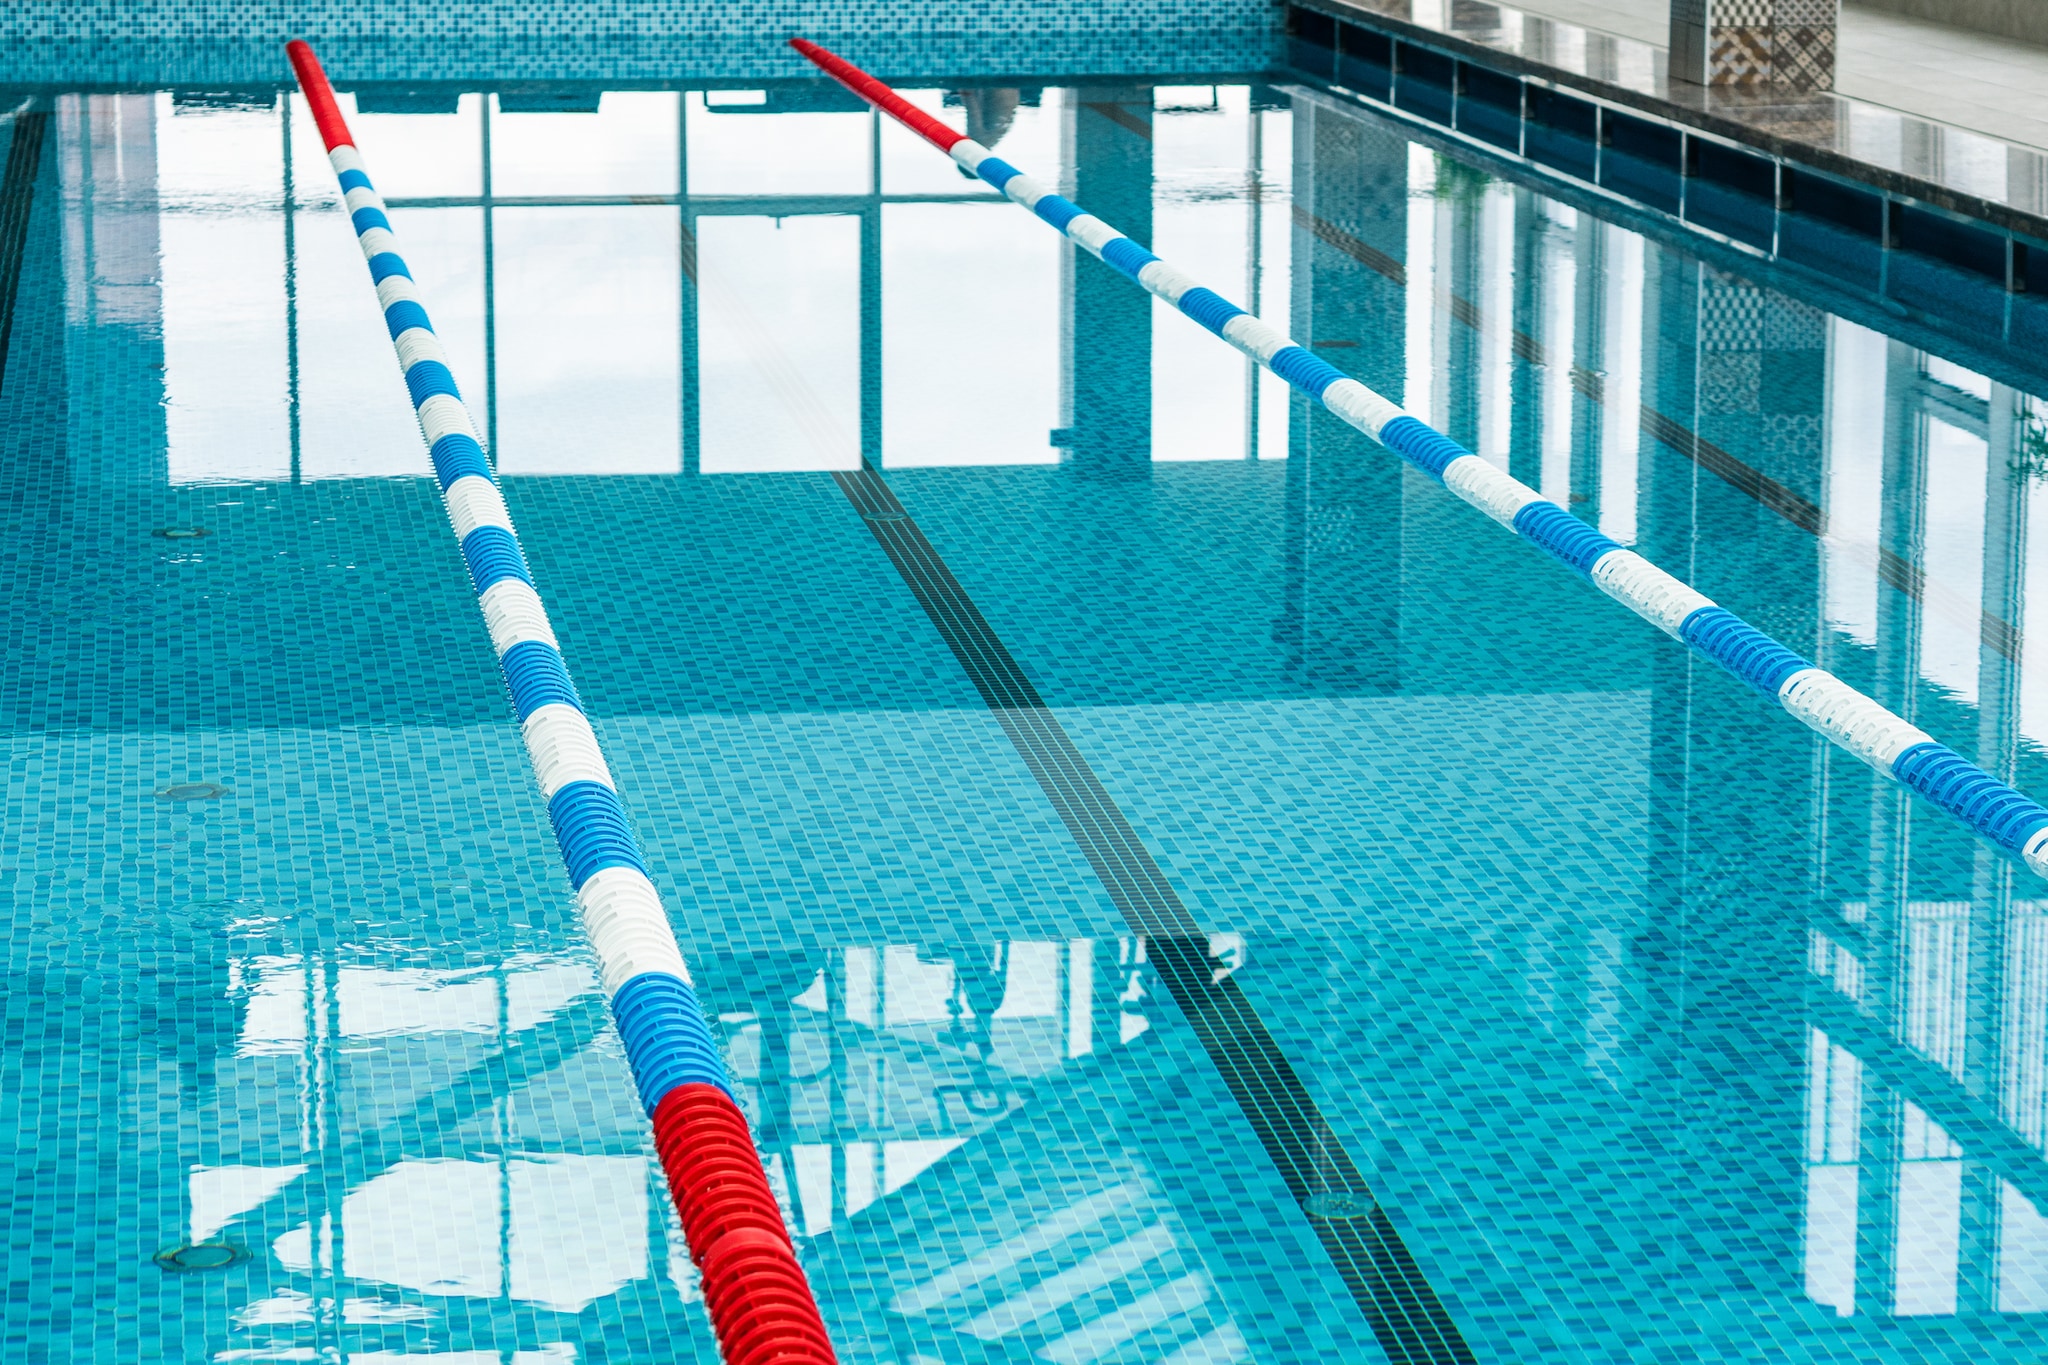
[(760, 1303), (2014, 822)]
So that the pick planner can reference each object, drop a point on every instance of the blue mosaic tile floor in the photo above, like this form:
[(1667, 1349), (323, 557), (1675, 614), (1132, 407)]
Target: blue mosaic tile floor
[(1657, 1031)]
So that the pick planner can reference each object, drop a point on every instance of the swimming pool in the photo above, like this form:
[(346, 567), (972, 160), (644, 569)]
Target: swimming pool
[(1656, 1028)]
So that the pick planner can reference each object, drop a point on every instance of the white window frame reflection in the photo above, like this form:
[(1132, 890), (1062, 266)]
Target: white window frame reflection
[(327, 374)]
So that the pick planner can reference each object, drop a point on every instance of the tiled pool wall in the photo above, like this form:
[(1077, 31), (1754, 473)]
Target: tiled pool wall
[(493, 20), (627, 61), (106, 42)]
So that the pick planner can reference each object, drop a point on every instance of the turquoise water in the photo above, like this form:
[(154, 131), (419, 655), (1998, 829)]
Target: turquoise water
[(1655, 1029)]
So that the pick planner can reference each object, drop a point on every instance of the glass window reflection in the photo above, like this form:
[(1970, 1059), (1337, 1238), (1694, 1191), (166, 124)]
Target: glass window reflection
[(626, 146), (221, 233), (588, 346), (753, 150), (1957, 465), (411, 155), (778, 343), (970, 336), (1200, 151)]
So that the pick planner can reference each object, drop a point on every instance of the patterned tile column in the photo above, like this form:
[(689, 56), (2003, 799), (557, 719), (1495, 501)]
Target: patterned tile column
[(1784, 43)]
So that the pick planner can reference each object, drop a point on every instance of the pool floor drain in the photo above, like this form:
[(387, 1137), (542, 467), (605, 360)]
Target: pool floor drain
[(191, 791), (1334, 1204), (180, 532), (201, 1256)]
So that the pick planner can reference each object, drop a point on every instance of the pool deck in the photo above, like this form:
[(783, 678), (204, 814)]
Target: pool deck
[(1974, 81), (1944, 117)]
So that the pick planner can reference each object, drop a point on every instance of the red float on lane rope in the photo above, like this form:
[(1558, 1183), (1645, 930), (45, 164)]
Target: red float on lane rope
[(881, 96), (761, 1304), (319, 95)]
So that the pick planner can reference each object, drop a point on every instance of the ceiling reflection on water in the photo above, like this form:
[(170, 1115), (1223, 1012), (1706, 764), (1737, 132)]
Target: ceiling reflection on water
[(888, 1060)]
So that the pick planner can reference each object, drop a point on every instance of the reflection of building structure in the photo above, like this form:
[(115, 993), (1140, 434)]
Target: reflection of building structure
[(1106, 390), (390, 1198), (1859, 498), (764, 342), (816, 248), (1946, 1214), (1343, 627)]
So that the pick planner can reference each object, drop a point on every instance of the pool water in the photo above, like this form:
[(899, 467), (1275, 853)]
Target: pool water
[(1640, 1023)]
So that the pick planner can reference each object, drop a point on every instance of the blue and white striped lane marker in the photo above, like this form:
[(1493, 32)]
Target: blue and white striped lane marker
[(760, 1302), (667, 1040), (1887, 742)]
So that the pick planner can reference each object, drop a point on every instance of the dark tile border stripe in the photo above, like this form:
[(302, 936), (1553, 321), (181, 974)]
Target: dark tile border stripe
[(17, 197), (1405, 1313)]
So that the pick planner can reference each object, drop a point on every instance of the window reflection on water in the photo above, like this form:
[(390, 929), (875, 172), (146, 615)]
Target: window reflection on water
[(861, 1070)]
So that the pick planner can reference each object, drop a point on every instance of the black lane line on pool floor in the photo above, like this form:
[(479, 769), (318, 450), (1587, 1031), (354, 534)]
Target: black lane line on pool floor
[(1404, 1312), (17, 197)]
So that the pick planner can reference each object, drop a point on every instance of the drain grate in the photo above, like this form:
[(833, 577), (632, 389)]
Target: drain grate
[(180, 532), (200, 1256), (191, 791), (1334, 1204)]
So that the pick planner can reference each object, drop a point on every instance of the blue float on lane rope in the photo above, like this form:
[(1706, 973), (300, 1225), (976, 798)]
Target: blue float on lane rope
[(667, 1046)]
